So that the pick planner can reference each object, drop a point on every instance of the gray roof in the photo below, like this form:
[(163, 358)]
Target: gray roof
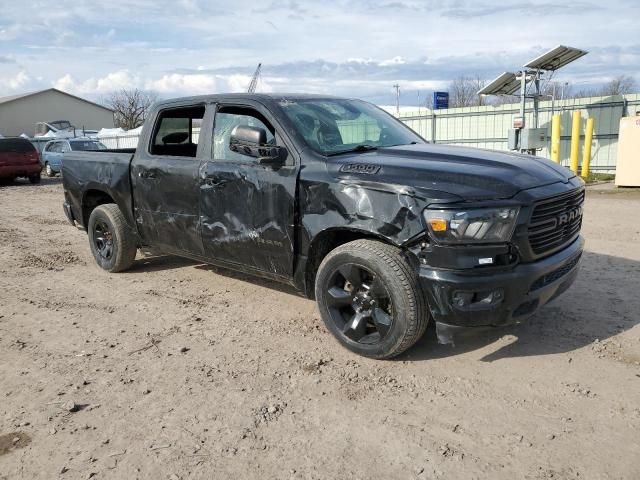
[(271, 97), (12, 98)]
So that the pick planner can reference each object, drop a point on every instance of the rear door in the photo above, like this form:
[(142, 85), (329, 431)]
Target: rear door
[(53, 155), (164, 175), (47, 152), (247, 209), (58, 153)]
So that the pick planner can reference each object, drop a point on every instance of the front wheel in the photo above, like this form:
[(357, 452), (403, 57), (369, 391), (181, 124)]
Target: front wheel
[(369, 299), (49, 170), (112, 242)]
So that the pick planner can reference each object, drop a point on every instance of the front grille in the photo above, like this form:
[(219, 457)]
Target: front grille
[(555, 275), (555, 221)]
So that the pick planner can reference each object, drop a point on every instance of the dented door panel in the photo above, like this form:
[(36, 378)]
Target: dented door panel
[(166, 202), (247, 214)]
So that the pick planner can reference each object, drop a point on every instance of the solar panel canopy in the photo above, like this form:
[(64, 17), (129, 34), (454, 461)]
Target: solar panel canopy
[(556, 58), (505, 84)]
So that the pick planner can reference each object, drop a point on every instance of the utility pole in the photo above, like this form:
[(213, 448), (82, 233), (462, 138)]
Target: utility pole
[(397, 87)]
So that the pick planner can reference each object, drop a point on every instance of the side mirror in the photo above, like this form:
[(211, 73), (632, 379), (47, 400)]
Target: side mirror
[(252, 142)]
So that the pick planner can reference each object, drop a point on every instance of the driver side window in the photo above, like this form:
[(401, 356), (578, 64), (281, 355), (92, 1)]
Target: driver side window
[(227, 118)]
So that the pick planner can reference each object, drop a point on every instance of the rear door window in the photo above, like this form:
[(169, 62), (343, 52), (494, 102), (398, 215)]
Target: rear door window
[(83, 145), (177, 132), (18, 145)]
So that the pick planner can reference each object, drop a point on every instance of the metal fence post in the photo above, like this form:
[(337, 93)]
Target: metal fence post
[(575, 140), (586, 153), (434, 131), (555, 138)]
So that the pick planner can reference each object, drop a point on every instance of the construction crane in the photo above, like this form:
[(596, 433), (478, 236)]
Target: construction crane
[(254, 79)]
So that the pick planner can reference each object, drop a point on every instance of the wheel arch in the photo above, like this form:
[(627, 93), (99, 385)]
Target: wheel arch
[(326, 241), (91, 198)]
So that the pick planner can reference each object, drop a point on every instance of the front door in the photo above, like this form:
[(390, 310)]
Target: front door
[(247, 209), (166, 183)]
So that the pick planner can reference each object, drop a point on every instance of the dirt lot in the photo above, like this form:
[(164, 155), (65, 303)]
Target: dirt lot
[(177, 370)]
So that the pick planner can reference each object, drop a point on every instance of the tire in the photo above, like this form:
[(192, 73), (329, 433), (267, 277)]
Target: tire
[(369, 299), (112, 242), (35, 178), (48, 170)]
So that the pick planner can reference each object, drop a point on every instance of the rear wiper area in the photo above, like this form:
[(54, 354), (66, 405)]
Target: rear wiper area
[(356, 149)]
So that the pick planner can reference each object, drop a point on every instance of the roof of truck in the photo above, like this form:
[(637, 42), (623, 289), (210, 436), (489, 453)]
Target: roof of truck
[(247, 96)]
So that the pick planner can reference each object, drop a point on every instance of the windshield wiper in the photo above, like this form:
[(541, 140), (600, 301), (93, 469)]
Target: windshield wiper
[(356, 149)]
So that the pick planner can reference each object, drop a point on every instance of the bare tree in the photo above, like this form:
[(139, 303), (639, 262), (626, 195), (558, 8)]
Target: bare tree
[(620, 85), (463, 92), (556, 89), (130, 107), (497, 100)]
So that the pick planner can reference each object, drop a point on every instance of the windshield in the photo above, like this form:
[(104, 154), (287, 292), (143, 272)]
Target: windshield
[(16, 145), (61, 124), (333, 126), (87, 145)]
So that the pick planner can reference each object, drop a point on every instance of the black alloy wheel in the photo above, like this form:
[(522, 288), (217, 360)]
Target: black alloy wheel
[(112, 241), (369, 298), (359, 304), (103, 239)]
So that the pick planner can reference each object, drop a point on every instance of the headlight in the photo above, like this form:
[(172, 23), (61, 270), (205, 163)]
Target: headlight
[(474, 225)]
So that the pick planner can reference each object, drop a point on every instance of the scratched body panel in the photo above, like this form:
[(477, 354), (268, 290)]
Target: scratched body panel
[(106, 172), (247, 218), (166, 205)]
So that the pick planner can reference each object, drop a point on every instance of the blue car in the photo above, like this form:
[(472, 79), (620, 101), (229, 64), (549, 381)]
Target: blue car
[(53, 151)]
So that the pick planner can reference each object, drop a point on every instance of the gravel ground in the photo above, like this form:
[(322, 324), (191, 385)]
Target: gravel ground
[(178, 370)]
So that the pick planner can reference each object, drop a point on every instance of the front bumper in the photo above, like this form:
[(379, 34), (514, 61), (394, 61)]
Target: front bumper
[(522, 290)]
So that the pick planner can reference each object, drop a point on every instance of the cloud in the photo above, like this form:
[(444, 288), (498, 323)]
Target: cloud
[(168, 85), (193, 84), (118, 80), (393, 61), (529, 8), (345, 47), (203, 83), (16, 82)]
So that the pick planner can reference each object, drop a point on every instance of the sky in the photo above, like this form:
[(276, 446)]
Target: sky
[(357, 48)]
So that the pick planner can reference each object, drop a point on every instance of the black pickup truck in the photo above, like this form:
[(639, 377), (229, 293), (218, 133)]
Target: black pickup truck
[(344, 202)]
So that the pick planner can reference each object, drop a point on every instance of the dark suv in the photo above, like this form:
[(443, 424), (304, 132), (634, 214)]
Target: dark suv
[(19, 158)]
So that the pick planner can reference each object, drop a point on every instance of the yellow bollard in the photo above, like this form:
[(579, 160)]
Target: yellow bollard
[(586, 153), (555, 138), (575, 140)]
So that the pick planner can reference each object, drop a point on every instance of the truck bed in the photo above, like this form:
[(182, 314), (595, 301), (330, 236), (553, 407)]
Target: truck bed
[(104, 170)]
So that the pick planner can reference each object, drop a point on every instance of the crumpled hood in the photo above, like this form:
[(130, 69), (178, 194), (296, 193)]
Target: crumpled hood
[(468, 173)]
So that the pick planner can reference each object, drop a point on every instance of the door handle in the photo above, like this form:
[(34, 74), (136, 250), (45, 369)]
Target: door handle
[(215, 181), (146, 174)]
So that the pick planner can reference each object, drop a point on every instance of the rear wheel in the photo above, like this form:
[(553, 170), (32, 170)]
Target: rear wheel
[(112, 242), (49, 170), (35, 178), (370, 300)]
